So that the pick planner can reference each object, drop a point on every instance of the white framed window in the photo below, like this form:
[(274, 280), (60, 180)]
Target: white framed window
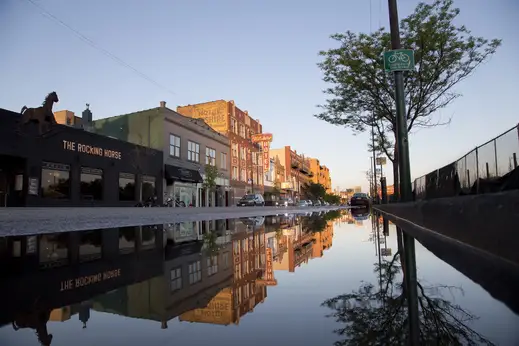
[(243, 153), (234, 150), (243, 175), (193, 151), (242, 130), (174, 145), (223, 160), (234, 126), (176, 279), (235, 175), (195, 272), (212, 265), (210, 156)]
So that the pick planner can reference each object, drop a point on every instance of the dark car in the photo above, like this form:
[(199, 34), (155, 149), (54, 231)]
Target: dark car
[(360, 199), (360, 214), (251, 200)]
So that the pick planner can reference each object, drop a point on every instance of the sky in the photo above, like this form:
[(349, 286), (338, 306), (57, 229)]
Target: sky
[(261, 54)]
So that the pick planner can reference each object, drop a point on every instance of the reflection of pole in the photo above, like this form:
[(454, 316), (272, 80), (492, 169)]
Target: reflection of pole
[(379, 255), (412, 289)]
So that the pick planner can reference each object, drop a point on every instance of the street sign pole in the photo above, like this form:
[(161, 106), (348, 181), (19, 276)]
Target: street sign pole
[(405, 173)]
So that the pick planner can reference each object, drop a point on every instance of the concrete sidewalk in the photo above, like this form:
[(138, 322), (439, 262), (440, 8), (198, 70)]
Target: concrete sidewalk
[(24, 221)]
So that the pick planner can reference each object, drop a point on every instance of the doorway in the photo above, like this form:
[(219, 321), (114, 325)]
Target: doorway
[(12, 180)]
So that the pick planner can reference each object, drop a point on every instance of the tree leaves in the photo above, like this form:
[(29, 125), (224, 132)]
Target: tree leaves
[(361, 93)]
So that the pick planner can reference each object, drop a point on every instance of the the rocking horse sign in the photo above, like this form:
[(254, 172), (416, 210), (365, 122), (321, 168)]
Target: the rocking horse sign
[(43, 115)]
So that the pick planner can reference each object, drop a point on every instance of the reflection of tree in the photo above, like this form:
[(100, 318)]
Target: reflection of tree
[(378, 316), (317, 223)]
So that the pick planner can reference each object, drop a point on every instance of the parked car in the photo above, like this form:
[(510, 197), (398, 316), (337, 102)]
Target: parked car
[(360, 199), (251, 200), (316, 203), (302, 203), (286, 202)]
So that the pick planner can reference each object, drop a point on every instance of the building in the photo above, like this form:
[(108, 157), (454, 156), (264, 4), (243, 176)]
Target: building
[(188, 146), (321, 174), (273, 180), (66, 166), (229, 120), (297, 170), (66, 117)]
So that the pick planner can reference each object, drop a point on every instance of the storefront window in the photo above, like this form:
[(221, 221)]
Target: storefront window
[(126, 187), (91, 183), (148, 187), (186, 194), (54, 249), (90, 245), (127, 239), (55, 180)]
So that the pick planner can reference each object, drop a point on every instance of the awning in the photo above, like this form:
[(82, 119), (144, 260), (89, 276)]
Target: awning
[(182, 174)]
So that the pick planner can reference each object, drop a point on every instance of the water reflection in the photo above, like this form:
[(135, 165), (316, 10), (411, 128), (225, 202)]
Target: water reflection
[(213, 271), (378, 313)]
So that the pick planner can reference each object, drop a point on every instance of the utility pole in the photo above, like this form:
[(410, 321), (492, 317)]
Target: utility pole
[(401, 117), (374, 161), (405, 180)]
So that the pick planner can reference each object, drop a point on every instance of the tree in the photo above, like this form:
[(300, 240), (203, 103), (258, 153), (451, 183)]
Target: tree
[(332, 199), (378, 316), (313, 191), (362, 93), (211, 173)]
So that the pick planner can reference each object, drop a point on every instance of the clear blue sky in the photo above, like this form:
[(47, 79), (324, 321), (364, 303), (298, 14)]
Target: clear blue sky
[(262, 54)]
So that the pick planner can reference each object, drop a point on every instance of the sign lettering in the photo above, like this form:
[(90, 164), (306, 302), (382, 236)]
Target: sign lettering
[(91, 150), (261, 137), (87, 280)]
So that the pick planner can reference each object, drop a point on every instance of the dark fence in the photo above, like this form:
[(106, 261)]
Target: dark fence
[(490, 167)]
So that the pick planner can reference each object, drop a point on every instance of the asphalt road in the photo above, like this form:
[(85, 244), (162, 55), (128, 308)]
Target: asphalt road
[(25, 221)]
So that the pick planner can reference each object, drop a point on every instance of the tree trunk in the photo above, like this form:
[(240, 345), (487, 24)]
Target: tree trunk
[(396, 183)]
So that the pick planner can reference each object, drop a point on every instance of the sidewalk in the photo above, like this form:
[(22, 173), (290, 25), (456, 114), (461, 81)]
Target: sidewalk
[(25, 221)]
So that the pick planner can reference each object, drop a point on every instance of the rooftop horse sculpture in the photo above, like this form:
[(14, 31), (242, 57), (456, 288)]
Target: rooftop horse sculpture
[(42, 115)]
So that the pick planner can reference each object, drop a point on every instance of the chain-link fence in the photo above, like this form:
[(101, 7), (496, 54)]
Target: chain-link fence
[(484, 169)]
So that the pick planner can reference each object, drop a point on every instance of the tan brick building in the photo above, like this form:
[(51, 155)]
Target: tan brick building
[(321, 174), (297, 169), (245, 164)]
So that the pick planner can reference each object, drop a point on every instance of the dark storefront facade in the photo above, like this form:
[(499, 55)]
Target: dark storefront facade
[(66, 166)]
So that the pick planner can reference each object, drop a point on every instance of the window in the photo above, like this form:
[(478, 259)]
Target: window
[(148, 187), (176, 279), (235, 175), (210, 156), (242, 131), (195, 272), (147, 237), (193, 151), (234, 150), (223, 160), (55, 180), (91, 183), (54, 250), (234, 127), (243, 176), (212, 265), (90, 244), (174, 146), (127, 239), (126, 187), (225, 260), (242, 153)]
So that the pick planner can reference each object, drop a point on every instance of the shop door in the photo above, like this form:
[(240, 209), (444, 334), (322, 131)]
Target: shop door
[(4, 188)]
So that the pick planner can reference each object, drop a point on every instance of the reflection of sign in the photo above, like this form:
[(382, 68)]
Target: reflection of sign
[(269, 275), (91, 150), (261, 137), (381, 161), (385, 252), (89, 279)]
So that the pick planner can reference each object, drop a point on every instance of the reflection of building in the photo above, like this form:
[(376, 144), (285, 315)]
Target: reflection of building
[(321, 174), (323, 240), (194, 272), (297, 169), (230, 304), (298, 248), (188, 145), (229, 120), (60, 270)]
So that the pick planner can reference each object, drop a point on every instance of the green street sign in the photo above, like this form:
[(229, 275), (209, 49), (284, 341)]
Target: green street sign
[(399, 60)]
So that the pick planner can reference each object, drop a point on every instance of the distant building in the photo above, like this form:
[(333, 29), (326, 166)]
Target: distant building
[(297, 170), (321, 174)]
